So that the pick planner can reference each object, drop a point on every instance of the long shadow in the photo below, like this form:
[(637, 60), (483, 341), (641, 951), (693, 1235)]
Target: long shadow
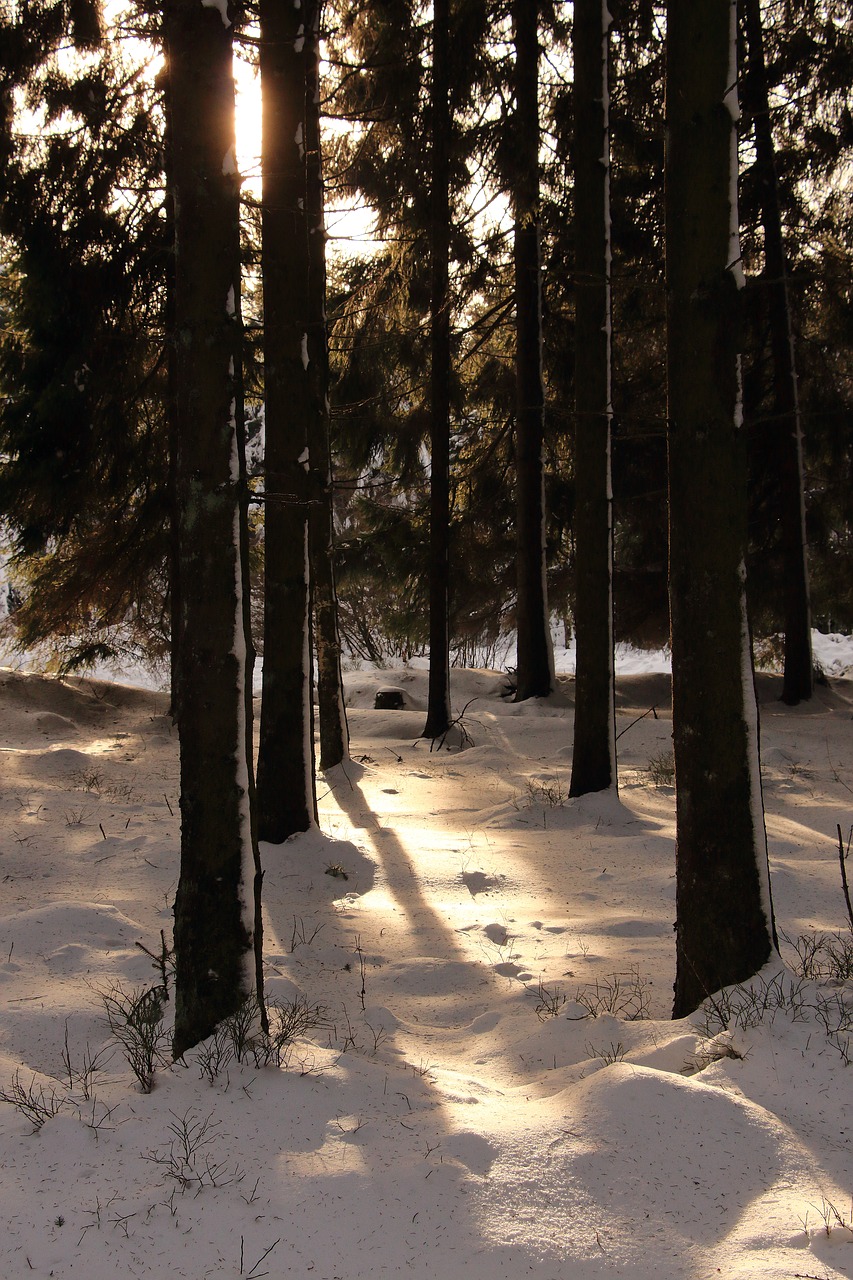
[(400, 873), (435, 972)]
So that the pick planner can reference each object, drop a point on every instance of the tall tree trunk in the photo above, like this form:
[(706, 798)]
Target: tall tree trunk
[(438, 705), (334, 735), (724, 928), (171, 412), (535, 669), (798, 684), (286, 800), (249, 668), (214, 908), (594, 750)]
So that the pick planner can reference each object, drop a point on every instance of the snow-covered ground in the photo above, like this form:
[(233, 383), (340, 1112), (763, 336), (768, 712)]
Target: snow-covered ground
[(832, 653), (493, 1087)]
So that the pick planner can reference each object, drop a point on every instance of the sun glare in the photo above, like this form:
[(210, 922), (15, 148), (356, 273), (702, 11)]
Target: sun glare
[(248, 123), (349, 227)]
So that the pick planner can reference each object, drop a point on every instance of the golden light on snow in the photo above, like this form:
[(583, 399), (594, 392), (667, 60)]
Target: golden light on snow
[(420, 1126)]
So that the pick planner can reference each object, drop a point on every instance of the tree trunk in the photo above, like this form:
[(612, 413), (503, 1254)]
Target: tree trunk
[(214, 907), (334, 735), (286, 800), (594, 750), (535, 666), (438, 705), (798, 682), (171, 411), (249, 668), (724, 929)]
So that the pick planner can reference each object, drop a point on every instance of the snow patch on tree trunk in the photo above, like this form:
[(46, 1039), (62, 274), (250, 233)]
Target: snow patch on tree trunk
[(753, 735), (247, 853), (732, 104), (222, 6)]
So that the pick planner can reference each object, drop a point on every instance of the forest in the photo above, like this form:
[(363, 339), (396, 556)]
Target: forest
[(352, 359), (591, 363)]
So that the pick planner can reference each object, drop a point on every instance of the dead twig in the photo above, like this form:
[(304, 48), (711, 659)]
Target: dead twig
[(842, 858)]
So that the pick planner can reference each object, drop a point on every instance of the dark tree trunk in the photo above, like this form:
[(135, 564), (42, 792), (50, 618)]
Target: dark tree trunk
[(535, 669), (594, 750), (438, 705), (334, 735), (171, 413), (798, 682), (249, 668), (724, 929), (214, 908), (286, 802)]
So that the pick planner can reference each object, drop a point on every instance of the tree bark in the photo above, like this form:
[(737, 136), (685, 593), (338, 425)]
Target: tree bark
[(286, 799), (798, 682), (171, 410), (724, 928), (334, 735), (594, 749), (438, 704), (215, 910), (535, 666)]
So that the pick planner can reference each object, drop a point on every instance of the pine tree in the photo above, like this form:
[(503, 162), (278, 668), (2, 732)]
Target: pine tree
[(334, 735), (382, 326), (286, 797), (798, 666), (82, 358), (724, 927), (438, 707), (594, 749), (535, 671), (217, 939)]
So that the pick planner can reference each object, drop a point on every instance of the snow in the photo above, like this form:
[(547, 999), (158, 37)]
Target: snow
[(241, 763), (834, 653), (435, 1125), (307, 665), (753, 732), (732, 105), (222, 6)]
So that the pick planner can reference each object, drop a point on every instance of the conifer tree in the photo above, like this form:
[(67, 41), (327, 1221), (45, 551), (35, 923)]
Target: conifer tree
[(594, 748), (724, 926), (535, 670), (383, 326), (438, 708), (334, 735), (286, 797), (798, 665), (82, 358), (217, 934)]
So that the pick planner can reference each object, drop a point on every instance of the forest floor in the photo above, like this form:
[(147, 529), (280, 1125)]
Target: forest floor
[(489, 1083)]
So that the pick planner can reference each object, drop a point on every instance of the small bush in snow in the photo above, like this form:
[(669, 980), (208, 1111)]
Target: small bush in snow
[(243, 1037), (623, 995), (136, 1019), (609, 1054), (550, 1001), (762, 1000), (187, 1157), (548, 792), (823, 957), (35, 1103), (661, 770)]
